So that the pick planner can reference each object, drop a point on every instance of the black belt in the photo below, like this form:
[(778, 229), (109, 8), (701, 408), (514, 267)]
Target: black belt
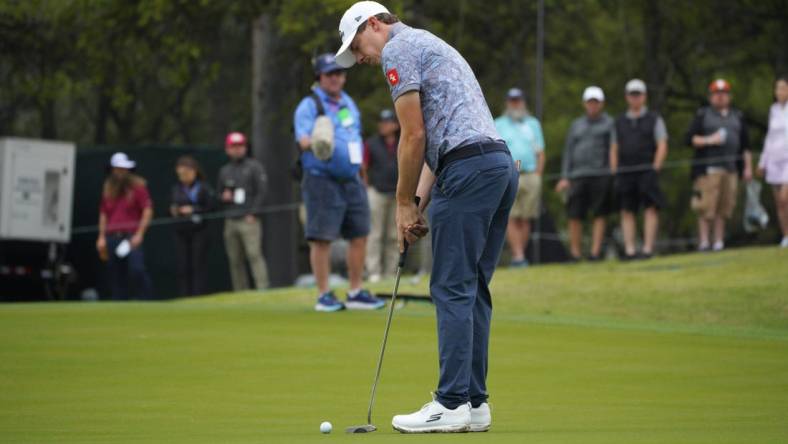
[(472, 150)]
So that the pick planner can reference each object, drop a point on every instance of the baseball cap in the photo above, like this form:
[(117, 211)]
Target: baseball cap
[(326, 63), (348, 26), (593, 93), (235, 138), (515, 94), (719, 85), (635, 86), (387, 114), (121, 160)]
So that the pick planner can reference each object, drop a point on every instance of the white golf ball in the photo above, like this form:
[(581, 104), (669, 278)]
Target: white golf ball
[(325, 427)]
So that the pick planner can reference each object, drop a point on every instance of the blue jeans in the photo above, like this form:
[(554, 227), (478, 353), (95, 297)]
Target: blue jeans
[(128, 278), (468, 216)]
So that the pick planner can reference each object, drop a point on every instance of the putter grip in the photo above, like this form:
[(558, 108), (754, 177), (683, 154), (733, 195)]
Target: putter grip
[(404, 253)]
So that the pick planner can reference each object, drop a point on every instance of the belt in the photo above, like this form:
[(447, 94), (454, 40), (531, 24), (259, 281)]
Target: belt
[(120, 234), (339, 180), (343, 180), (467, 151)]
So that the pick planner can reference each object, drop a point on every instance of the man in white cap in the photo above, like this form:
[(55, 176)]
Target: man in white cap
[(447, 132), (587, 166), (642, 148)]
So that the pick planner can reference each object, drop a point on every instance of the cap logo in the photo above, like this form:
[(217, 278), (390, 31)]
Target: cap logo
[(342, 35), (392, 76), (358, 19)]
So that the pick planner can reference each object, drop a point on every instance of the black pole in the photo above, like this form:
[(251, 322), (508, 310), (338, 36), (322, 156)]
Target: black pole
[(539, 60), (539, 91)]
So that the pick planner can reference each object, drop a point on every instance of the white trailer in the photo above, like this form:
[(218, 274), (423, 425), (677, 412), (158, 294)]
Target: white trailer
[(36, 196)]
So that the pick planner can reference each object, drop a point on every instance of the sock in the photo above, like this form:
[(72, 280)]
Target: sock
[(354, 293)]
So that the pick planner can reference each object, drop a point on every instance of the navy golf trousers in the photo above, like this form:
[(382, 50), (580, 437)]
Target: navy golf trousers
[(468, 214)]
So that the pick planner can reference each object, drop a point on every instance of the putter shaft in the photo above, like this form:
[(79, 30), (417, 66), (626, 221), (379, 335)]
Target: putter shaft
[(385, 339), (400, 265)]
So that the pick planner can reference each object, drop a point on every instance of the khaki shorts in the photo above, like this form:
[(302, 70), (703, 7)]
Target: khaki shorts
[(526, 205), (714, 195)]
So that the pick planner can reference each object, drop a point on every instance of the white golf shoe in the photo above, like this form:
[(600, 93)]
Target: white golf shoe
[(435, 418), (481, 418)]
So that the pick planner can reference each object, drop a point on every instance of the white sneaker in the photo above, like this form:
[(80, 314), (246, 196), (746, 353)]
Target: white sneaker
[(784, 243), (718, 246), (481, 418), (435, 418)]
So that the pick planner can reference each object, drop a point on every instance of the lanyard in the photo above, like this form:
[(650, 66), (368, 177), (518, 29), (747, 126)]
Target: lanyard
[(192, 192)]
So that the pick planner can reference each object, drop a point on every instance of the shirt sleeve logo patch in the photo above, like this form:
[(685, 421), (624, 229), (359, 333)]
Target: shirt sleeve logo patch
[(392, 76)]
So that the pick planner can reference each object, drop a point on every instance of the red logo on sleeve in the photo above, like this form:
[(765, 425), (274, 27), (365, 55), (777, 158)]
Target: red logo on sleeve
[(392, 76)]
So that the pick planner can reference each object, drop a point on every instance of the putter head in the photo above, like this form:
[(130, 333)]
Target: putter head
[(366, 428)]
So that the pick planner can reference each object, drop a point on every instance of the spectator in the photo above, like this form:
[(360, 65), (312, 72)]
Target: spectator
[(643, 146), (523, 134), (589, 160), (124, 216), (191, 197), (722, 151), (334, 195), (243, 184), (774, 159), (381, 171)]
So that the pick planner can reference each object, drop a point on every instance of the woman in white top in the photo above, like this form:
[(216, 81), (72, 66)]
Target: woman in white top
[(774, 158)]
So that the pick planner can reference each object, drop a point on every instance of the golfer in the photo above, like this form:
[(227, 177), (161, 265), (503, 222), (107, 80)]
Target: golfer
[(447, 132)]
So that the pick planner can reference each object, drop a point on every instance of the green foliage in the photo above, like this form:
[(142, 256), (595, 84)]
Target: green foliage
[(178, 71)]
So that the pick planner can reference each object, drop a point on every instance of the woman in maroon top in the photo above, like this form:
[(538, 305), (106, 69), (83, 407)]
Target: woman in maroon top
[(124, 216)]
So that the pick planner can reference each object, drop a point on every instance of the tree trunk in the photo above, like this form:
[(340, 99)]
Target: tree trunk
[(48, 120), (655, 67), (273, 145), (102, 117)]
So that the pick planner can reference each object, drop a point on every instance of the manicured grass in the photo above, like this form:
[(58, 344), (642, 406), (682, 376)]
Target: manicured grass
[(686, 349)]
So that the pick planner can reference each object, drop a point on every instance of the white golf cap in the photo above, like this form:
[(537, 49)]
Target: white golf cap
[(635, 86), (351, 20), (121, 160), (593, 93)]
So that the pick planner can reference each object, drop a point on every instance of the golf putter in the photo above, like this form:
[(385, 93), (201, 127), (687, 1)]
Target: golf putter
[(368, 427)]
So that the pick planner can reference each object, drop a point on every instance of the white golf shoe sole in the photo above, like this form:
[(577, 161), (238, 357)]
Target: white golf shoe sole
[(455, 428)]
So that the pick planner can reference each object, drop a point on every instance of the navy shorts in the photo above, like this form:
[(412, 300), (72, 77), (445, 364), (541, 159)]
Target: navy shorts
[(335, 208), (639, 190)]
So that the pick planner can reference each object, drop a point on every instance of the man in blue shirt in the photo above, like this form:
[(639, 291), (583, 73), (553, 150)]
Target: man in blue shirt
[(334, 196), (450, 154), (523, 134)]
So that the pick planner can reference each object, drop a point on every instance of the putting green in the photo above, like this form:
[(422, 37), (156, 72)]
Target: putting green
[(620, 359)]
